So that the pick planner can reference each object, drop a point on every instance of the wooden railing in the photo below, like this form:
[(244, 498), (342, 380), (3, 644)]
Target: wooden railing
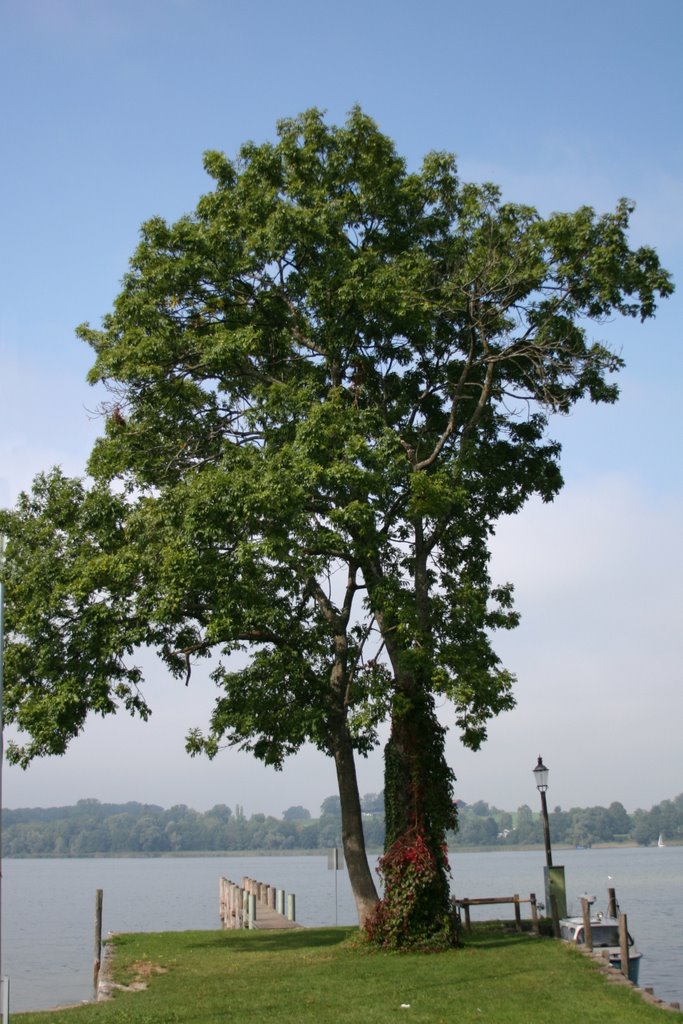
[(466, 903)]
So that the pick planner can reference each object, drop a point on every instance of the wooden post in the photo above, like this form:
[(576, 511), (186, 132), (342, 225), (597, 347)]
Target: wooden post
[(238, 896), (518, 916), (226, 902), (98, 939), (534, 914), (587, 930), (612, 903), (252, 910), (623, 943), (291, 907), (468, 923)]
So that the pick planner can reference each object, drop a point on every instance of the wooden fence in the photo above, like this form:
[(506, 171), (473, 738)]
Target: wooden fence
[(465, 905)]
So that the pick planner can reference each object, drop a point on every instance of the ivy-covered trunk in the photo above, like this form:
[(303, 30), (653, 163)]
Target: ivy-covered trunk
[(418, 784), (415, 909)]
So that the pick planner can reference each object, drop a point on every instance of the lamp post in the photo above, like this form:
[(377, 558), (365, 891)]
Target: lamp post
[(541, 776), (555, 886)]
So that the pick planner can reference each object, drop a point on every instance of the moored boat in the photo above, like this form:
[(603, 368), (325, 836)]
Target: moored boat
[(605, 937)]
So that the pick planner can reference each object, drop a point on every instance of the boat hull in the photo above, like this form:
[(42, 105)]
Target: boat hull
[(633, 966)]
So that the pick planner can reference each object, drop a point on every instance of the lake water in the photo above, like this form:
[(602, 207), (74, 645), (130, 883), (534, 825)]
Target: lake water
[(48, 906)]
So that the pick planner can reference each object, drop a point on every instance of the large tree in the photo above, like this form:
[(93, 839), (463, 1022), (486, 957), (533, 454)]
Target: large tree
[(327, 384)]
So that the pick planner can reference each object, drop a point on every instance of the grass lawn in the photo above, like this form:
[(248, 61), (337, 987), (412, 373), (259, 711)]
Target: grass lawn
[(323, 976)]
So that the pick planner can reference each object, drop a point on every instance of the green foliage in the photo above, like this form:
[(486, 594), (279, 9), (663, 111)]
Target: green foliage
[(331, 805), (297, 813), (328, 383), (372, 803), (91, 828), (481, 825), (73, 616)]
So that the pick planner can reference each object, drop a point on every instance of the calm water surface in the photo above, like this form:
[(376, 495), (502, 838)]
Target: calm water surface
[(49, 905)]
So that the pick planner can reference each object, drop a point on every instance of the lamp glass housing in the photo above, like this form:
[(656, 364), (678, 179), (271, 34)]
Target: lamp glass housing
[(541, 775)]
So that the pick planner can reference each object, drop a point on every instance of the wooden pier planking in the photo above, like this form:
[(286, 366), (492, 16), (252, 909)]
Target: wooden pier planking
[(268, 919), (264, 899)]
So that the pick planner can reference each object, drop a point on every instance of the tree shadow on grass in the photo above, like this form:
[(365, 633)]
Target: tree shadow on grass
[(496, 939), (277, 941)]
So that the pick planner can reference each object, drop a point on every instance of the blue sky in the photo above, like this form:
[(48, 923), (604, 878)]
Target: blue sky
[(107, 106)]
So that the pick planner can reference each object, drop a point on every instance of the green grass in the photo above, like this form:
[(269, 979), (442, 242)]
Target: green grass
[(324, 976)]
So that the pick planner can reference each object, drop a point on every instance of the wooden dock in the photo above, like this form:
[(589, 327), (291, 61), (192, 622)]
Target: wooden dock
[(256, 906), (269, 919)]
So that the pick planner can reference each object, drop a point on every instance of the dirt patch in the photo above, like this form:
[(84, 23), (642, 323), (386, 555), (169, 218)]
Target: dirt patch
[(145, 969), (142, 971)]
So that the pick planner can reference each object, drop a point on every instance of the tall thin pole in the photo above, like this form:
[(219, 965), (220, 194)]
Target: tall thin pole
[(546, 830), (541, 777)]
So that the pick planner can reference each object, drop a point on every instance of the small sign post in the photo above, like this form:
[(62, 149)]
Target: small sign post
[(335, 862)]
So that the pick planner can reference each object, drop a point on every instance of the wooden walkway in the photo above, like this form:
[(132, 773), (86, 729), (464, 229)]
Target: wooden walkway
[(269, 919), (256, 906)]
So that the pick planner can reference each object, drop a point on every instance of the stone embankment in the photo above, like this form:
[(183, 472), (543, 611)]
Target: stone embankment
[(615, 977)]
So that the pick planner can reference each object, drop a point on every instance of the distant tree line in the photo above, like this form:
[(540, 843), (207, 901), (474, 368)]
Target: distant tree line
[(581, 826), (90, 828), (480, 825)]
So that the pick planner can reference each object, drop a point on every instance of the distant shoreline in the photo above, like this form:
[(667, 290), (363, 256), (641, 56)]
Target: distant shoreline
[(373, 852)]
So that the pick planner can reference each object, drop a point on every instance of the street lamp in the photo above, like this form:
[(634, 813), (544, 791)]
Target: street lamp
[(555, 886), (541, 776)]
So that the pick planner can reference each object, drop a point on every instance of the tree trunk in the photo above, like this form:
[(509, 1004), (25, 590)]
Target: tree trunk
[(418, 790), (362, 884), (418, 783), (419, 809), (417, 773), (360, 876)]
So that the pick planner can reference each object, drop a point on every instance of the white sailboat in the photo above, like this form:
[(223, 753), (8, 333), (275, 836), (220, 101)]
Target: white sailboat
[(660, 841)]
